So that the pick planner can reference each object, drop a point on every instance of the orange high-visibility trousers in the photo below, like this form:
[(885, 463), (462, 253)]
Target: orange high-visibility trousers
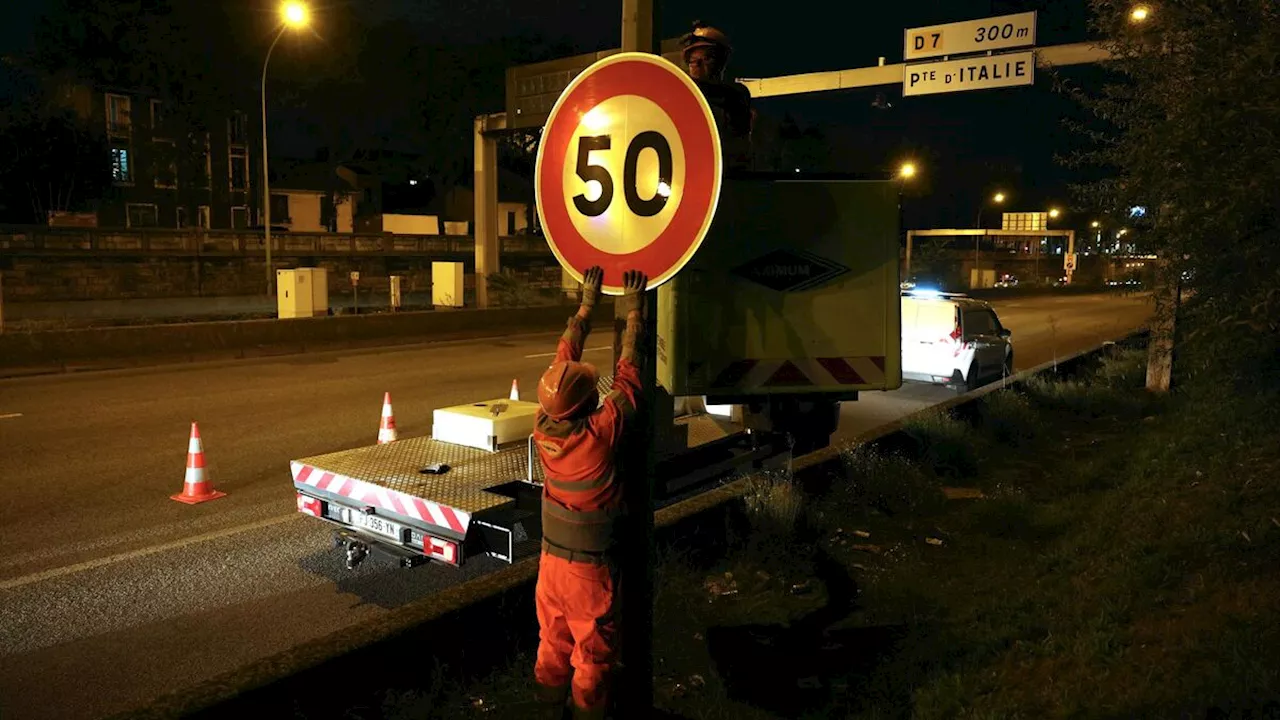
[(577, 605)]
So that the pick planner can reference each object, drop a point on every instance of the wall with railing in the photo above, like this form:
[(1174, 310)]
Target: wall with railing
[(42, 264)]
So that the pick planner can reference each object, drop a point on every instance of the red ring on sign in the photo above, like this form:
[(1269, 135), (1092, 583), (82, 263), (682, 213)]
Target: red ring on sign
[(669, 92)]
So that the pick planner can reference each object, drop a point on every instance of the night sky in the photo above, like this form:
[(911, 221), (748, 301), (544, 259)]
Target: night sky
[(973, 142)]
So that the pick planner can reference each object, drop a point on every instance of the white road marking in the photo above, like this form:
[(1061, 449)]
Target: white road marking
[(551, 354), (6, 416), (142, 552)]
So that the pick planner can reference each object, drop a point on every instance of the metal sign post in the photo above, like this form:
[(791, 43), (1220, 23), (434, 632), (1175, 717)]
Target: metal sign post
[(635, 692)]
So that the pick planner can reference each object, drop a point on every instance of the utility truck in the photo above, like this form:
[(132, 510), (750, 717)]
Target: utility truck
[(790, 306)]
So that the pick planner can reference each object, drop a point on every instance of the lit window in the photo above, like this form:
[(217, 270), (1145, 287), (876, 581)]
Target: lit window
[(121, 167)]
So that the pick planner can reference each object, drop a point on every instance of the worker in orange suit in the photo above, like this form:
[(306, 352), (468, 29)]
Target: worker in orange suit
[(577, 436)]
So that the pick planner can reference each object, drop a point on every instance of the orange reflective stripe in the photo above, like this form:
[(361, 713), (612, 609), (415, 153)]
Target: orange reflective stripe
[(572, 486), (620, 399), (579, 517)]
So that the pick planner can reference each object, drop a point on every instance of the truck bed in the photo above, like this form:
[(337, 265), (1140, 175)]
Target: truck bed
[(390, 476)]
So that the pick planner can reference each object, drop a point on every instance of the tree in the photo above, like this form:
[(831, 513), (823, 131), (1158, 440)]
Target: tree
[(1190, 132), (50, 159)]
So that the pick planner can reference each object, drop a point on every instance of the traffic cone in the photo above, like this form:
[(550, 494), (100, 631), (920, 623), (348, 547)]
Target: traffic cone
[(515, 391), (195, 487), (387, 430)]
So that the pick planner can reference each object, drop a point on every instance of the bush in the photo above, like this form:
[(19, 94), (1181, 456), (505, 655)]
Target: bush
[(1009, 418), (1103, 391), (510, 290), (775, 505), (890, 483), (944, 446)]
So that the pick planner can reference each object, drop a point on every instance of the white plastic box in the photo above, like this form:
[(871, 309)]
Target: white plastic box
[(485, 425)]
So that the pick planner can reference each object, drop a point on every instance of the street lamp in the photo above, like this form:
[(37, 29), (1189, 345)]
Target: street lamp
[(997, 199), (1054, 213), (293, 14), (907, 171), (1139, 14), (977, 239)]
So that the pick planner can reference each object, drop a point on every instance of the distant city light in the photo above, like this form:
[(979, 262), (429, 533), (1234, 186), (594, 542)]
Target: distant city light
[(294, 13), (413, 182)]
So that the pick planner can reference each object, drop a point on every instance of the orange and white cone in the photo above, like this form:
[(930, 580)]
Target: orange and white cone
[(387, 430), (195, 487), (515, 391)]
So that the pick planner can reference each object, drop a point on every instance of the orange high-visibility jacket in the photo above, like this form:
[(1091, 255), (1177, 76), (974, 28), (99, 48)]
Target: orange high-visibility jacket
[(581, 498)]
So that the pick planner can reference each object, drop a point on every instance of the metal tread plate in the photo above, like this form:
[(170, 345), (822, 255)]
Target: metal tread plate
[(397, 466), (705, 429)]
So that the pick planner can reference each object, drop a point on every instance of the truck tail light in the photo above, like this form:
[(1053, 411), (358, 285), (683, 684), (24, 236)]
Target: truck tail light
[(442, 550), (310, 505)]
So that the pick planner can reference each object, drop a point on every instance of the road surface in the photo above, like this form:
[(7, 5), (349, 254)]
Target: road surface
[(112, 594)]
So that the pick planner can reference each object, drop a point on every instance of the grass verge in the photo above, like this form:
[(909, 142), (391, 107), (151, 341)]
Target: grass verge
[(1077, 550)]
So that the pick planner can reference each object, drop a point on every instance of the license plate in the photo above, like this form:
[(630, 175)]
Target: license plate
[(373, 523)]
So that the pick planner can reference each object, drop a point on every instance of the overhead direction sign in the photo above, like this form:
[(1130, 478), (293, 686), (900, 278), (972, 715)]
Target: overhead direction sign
[(629, 170), (976, 73), (971, 36), (1030, 221)]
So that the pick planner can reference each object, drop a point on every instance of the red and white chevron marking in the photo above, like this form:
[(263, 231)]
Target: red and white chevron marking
[(369, 494), (754, 373)]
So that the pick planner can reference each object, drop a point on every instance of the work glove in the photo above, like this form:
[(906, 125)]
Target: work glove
[(633, 285), (591, 281)]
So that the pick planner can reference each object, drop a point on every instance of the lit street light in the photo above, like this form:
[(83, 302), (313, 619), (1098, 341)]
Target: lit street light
[(1054, 213), (294, 15), (907, 171), (977, 239), (997, 199), (1094, 224), (1140, 13)]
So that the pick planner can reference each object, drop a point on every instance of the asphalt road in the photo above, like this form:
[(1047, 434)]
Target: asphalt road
[(112, 594)]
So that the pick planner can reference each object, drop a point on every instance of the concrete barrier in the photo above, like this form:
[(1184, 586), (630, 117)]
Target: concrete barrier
[(477, 617), (113, 347), (1031, 291)]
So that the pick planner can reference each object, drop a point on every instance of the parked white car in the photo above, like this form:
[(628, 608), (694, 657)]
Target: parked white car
[(953, 340)]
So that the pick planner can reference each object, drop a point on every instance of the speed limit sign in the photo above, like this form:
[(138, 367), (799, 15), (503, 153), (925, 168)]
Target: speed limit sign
[(629, 170)]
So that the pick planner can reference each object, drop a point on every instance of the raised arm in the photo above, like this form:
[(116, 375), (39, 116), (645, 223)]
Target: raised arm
[(620, 404), (579, 326)]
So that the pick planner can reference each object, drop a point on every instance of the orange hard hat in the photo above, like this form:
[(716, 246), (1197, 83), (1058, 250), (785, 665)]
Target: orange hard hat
[(705, 36), (567, 388)]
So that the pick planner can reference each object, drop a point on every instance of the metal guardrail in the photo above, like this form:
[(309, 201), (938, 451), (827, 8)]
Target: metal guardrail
[(62, 242), (450, 601)]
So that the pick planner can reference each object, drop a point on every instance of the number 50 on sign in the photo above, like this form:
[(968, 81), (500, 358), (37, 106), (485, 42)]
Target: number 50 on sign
[(629, 170)]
